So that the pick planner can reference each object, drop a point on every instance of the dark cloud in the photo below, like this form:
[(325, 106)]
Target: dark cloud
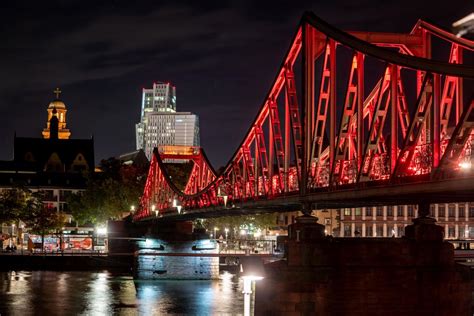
[(221, 55)]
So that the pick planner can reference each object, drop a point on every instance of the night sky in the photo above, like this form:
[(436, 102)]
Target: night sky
[(221, 55)]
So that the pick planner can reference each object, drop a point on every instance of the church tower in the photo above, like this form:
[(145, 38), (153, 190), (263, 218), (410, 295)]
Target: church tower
[(60, 110)]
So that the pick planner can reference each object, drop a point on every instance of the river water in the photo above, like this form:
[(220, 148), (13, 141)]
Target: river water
[(105, 293)]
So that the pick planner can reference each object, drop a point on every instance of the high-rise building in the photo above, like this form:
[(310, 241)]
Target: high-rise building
[(160, 124)]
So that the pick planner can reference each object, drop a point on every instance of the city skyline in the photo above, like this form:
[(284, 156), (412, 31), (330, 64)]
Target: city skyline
[(102, 55)]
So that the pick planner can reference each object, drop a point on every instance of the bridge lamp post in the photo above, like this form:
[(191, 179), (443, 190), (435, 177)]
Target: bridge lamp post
[(132, 208), (153, 207), (226, 232), (179, 208)]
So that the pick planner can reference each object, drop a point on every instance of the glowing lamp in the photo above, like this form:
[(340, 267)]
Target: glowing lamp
[(465, 165), (102, 231)]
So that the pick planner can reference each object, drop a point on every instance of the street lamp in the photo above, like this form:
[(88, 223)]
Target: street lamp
[(153, 210), (132, 208), (179, 208), (251, 270), (226, 232)]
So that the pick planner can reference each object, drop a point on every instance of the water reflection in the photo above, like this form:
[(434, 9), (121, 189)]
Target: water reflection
[(104, 293)]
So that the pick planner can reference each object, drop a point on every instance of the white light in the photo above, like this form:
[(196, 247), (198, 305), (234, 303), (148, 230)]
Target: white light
[(225, 197), (179, 209), (257, 234), (101, 230), (465, 165), (148, 242), (175, 203), (252, 277), (243, 232)]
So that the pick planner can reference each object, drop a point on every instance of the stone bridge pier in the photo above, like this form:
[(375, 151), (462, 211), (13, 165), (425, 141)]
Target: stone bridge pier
[(413, 275)]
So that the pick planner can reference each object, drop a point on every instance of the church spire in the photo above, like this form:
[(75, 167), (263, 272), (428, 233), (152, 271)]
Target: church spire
[(57, 109)]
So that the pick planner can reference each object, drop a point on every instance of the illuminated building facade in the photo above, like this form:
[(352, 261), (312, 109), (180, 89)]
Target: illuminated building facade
[(53, 164), (457, 219), (160, 124)]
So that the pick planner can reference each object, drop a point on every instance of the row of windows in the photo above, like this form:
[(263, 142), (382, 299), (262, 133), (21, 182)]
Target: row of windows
[(399, 210), (399, 231), (379, 211)]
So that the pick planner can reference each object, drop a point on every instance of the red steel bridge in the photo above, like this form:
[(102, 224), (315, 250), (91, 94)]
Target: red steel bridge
[(351, 119)]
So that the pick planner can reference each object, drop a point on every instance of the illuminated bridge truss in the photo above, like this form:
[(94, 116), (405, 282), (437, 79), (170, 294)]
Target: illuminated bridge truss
[(346, 110)]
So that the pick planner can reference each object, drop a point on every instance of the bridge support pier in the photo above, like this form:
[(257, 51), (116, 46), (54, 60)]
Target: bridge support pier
[(424, 227), (323, 275)]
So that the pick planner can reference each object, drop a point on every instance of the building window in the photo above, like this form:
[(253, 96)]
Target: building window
[(410, 211), (347, 230), (358, 231), (451, 210), (379, 210), (400, 211), (379, 230), (461, 211), (471, 211), (358, 212), (368, 231), (451, 232), (441, 210), (347, 212), (390, 231), (368, 211), (432, 210), (401, 231), (390, 210)]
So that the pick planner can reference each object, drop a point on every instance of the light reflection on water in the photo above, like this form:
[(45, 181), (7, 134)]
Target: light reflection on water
[(104, 293)]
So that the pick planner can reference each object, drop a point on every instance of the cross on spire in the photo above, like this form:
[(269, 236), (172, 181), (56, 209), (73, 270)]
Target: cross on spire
[(57, 92)]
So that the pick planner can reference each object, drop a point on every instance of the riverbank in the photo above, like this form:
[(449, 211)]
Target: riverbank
[(84, 262)]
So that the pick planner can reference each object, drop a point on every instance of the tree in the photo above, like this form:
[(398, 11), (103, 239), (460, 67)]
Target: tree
[(236, 223), (40, 219), (179, 173), (109, 193), (12, 204)]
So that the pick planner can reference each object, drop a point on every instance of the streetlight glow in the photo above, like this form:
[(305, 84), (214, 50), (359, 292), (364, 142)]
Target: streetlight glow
[(465, 165)]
